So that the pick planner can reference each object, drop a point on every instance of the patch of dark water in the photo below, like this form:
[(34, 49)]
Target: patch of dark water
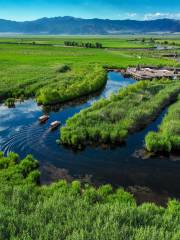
[(21, 132)]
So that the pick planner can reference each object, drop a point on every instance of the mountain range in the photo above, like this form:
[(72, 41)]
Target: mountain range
[(79, 26)]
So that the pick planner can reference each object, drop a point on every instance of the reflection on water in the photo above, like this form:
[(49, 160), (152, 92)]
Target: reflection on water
[(21, 132), (167, 47)]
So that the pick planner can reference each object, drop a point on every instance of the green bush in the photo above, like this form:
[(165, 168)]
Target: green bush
[(63, 68), (157, 143)]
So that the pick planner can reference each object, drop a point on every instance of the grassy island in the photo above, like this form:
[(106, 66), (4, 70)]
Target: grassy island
[(111, 120)]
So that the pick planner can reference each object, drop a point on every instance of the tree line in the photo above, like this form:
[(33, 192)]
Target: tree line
[(81, 44)]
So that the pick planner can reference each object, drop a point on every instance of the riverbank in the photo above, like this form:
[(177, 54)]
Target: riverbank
[(75, 211)]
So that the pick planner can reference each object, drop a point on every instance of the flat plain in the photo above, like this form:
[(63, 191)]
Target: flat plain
[(42, 68)]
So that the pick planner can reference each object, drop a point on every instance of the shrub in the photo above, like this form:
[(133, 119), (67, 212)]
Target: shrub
[(63, 68), (34, 177), (157, 143)]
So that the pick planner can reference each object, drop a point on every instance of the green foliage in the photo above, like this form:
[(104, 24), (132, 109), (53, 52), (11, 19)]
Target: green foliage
[(82, 44), (1, 154), (27, 68), (63, 68), (157, 143), (110, 120), (13, 171), (10, 102), (167, 138), (28, 165), (11, 160), (71, 211), (76, 84), (48, 96)]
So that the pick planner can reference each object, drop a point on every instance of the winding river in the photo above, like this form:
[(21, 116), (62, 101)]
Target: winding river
[(153, 179)]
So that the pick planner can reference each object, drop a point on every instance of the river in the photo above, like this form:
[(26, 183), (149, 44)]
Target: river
[(152, 179)]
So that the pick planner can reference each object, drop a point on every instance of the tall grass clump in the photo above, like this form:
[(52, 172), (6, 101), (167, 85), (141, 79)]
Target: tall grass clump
[(111, 120), (63, 68), (167, 138)]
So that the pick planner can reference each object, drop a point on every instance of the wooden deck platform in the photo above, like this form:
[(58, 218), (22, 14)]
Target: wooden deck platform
[(150, 73)]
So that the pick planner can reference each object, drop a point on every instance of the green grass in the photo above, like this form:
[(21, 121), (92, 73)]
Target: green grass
[(73, 212), (26, 69), (107, 42), (167, 139), (169, 41), (84, 81), (110, 120)]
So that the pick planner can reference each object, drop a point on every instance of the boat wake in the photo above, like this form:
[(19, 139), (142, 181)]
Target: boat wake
[(27, 137)]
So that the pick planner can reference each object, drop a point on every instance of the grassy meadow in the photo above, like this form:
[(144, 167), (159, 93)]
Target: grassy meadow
[(107, 42), (25, 69)]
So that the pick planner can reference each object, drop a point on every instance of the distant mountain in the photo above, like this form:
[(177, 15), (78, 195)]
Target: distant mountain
[(71, 25)]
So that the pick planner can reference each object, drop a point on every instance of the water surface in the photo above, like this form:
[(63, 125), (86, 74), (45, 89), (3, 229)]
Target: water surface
[(21, 132)]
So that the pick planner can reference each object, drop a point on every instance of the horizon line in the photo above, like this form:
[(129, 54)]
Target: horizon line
[(126, 19)]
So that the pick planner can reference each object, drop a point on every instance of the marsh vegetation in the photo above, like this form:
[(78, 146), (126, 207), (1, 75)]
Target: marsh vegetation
[(75, 211), (167, 138), (75, 84), (111, 120)]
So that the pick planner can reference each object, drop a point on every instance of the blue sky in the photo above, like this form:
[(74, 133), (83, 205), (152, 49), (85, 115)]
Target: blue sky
[(115, 9)]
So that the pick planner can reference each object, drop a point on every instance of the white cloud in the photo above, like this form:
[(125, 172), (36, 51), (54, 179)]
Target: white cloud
[(132, 15), (159, 15), (149, 16), (128, 15)]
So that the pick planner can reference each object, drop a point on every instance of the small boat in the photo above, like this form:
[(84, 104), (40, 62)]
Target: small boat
[(54, 125), (43, 118)]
